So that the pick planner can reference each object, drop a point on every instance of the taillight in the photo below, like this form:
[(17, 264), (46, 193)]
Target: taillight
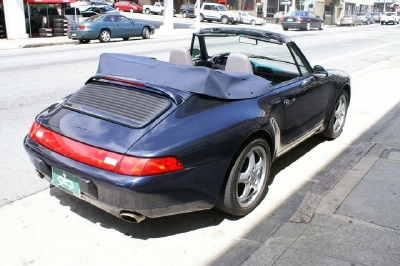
[(83, 27), (282, 19), (148, 166), (106, 160), (300, 19)]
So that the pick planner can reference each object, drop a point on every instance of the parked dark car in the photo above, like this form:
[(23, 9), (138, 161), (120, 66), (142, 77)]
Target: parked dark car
[(128, 6), (107, 26), (95, 10), (350, 20), (366, 18), (302, 20), (149, 138), (187, 11)]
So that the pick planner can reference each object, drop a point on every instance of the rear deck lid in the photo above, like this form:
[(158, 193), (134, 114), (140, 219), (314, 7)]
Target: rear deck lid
[(108, 116)]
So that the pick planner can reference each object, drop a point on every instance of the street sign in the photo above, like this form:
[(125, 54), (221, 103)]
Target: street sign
[(286, 3)]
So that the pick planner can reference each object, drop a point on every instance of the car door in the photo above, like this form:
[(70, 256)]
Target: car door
[(110, 22), (245, 17), (127, 28), (314, 22), (304, 100), (214, 12)]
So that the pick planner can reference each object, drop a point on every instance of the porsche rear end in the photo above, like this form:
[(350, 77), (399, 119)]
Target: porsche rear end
[(83, 145)]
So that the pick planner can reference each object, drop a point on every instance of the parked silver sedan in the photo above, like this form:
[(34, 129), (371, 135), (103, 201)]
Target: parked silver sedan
[(350, 20), (250, 19)]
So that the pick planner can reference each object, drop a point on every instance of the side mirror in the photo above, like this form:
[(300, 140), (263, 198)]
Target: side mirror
[(320, 72)]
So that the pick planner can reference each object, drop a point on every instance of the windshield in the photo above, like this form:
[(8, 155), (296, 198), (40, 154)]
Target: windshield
[(251, 47), (298, 14)]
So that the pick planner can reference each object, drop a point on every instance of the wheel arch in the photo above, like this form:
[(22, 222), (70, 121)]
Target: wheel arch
[(107, 29), (347, 89), (259, 134)]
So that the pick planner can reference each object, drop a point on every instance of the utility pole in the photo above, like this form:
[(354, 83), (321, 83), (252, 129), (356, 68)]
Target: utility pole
[(168, 15)]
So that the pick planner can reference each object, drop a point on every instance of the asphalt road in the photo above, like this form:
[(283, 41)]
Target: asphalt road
[(31, 79)]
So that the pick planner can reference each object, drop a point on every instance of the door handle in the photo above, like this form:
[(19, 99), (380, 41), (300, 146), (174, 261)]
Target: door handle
[(289, 101)]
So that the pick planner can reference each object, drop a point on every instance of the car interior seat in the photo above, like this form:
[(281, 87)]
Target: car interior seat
[(180, 56), (238, 62)]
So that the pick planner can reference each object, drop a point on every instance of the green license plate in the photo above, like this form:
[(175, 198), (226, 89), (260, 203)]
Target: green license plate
[(67, 182)]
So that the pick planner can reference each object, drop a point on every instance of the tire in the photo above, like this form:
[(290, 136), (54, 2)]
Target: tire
[(131, 10), (59, 34), (307, 28), (338, 117), (285, 28), (162, 13), (104, 36), (84, 41), (247, 182), (59, 20), (45, 30), (201, 17), (45, 34), (147, 11), (184, 14), (60, 25), (225, 20), (253, 22), (117, 8), (60, 30), (125, 38), (321, 26), (146, 33), (381, 23)]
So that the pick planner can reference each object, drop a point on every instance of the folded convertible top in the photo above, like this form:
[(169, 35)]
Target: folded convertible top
[(195, 79)]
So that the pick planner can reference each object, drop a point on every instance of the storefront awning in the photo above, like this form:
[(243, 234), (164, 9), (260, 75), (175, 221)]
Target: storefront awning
[(49, 1)]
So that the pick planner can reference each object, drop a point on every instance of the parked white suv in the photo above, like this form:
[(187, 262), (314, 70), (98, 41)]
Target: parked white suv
[(217, 12), (389, 17)]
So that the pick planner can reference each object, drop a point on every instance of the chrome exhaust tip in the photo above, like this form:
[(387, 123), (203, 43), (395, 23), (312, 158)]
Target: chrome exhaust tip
[(132, 217)]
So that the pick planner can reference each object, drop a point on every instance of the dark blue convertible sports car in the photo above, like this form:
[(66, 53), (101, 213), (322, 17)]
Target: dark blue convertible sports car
[(148, 138)]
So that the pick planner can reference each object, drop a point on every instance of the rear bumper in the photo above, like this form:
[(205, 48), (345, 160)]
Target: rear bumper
[(387, 21), (294, 25), (80, 35), (155, 196)]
